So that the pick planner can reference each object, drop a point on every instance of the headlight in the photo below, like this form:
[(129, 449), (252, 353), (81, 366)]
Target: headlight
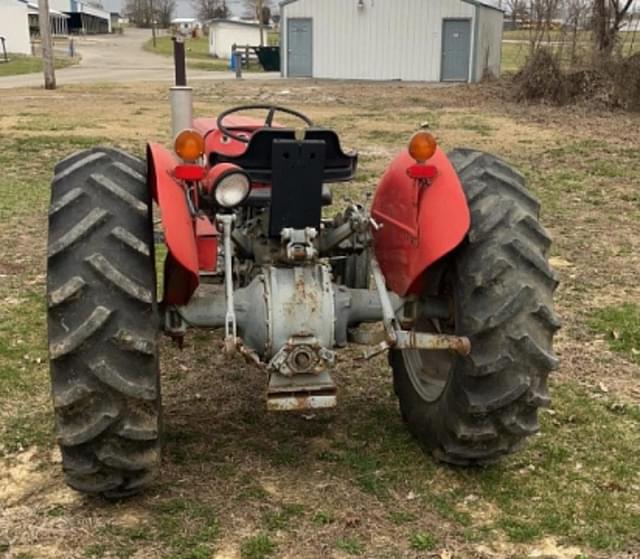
[(232, 188)]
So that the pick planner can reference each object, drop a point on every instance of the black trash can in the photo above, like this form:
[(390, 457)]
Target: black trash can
[(269, 58)]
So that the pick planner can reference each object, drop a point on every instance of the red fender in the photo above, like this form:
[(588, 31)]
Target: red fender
[(181, 267), (420, 224)]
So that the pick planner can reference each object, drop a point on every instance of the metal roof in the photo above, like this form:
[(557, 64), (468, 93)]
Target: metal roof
[(238, 22), (474, 2), (33, 9)]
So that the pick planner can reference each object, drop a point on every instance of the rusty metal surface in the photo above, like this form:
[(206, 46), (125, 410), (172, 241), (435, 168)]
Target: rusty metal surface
[(302, 354), (301, 402), (423, 340), (301, 391)]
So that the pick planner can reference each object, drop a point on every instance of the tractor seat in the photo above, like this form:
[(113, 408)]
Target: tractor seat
[(256, 160), (261, 197)]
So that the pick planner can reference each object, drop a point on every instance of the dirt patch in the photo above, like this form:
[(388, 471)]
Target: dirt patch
[(548, 548)]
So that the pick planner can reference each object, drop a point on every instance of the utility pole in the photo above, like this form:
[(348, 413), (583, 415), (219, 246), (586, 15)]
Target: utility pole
[(153, 23), (259, 10), (45, 42)]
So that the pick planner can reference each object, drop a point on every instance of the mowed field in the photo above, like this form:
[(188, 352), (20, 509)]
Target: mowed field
[(237, 481)]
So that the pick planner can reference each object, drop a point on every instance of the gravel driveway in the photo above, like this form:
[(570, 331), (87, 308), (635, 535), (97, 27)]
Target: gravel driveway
[(119, 58)]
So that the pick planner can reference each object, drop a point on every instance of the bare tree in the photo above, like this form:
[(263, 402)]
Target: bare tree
[(608, 16), (163, 11), (139, 12), (260, 9), (542, 14), (517, 9), (211, 9), (576, 14)]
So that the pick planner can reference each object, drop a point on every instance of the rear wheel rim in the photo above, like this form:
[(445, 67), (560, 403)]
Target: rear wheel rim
[(430, 371)]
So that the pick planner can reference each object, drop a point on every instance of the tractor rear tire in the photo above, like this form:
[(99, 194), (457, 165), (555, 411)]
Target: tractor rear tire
[(103, 323), (502, 287)]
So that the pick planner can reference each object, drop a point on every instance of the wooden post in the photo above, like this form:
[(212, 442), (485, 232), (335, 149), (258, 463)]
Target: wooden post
[(45, 41), (153, 23)]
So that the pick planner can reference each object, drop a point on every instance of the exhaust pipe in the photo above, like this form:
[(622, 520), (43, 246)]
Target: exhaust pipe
[(180, 95)]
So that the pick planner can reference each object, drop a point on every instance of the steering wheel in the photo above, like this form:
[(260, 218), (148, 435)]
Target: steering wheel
[(268, 121)]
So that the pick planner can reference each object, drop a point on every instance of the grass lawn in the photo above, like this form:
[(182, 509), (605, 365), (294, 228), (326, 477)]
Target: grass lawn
[(197, 52), (20, 64), (516, 46), (240, 482)]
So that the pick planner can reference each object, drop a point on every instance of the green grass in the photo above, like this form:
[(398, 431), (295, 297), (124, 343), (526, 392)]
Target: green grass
[(422, 541), (514, 55), (574, 482), (187, 527), (281, 519), (184, 528), (559, 35), (474, 124), (197, 53), (351, 546), (20, 64), (273, 39), (258, 547), (586, 170), (23, 364), (196, 50), (322, 518), (621, 325), (25, 186)]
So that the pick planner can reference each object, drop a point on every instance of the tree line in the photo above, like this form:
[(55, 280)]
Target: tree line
[(604, 18), (143, 13)]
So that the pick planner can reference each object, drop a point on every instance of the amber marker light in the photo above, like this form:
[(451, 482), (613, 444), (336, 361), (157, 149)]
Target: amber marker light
[(189, 145), (422, 146)]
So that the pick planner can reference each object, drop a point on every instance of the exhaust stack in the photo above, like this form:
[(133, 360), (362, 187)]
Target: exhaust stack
[(181, 95)]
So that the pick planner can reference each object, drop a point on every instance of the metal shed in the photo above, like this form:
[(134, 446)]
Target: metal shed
[(411, 40), (85, 16), (224, 33), (14, 27)]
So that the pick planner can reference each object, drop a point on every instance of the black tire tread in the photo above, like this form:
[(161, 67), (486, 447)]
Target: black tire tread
[(103, 323), (505, 299)]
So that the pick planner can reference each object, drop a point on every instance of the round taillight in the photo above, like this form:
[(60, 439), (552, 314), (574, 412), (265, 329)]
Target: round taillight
[(422, 146), (189, 145)]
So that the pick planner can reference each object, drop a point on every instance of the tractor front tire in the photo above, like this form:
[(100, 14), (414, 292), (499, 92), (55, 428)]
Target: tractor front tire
[(502, 287), (103, 323)]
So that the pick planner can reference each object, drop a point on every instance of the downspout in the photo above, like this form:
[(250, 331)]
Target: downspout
[(283, 47), (474, 45)]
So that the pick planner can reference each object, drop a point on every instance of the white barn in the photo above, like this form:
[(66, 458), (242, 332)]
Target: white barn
[(412, 40), (224, 33), (14, 26)]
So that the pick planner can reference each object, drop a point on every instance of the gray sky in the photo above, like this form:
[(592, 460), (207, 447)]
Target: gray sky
[(184, 9)]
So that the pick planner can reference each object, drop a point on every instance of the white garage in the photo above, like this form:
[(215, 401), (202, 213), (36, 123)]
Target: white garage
[(224, 33), (412, 40), (14, 26)]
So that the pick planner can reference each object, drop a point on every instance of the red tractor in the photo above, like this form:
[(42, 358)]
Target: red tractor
[(452, 244)]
